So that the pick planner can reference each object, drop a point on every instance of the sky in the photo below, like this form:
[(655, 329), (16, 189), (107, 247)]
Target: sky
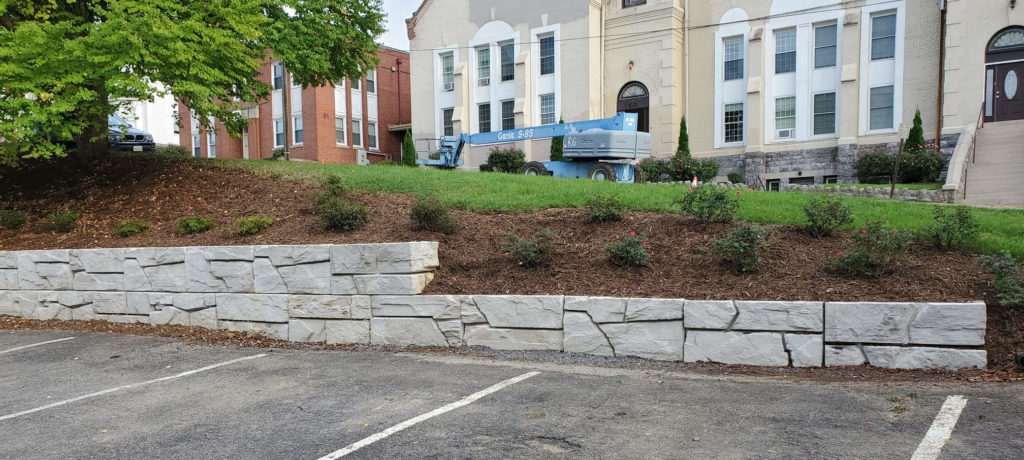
[(398, 11)]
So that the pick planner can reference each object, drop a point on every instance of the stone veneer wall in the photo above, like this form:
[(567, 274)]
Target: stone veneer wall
[(369, 294), (880, 191)]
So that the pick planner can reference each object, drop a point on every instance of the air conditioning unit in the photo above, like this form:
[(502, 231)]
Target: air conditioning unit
[(784, 134), (486, 81), (449, 86)]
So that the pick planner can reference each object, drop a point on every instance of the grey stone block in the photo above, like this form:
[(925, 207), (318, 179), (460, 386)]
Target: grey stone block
[(354, 259), (169, 316), (779, 316), (203, 318), (339, 332), (406, 332), (44, 270), (272, 330), (513, 339), (392, 284), (307, 330), (949, 324), (19, 304), (295, 255), (805, 350), (8, 279), (514, 311), (135, 277), (124, 319), (844, 355), (166, 278), (753, 348), (312, 278), (203, 275), (343, 285), (8, 259), (470, 313), (329, 307), (194, 302), (150, 257), (654, 309), (140, 303), (452, 330), (868, 322), (434, 306), (581, 335), (264, 308), (228, 253), (661, 340), (708, 314), (98, 260), (415, 257), (266, 279), (110, 303), (600, 309), (925, 357), (84, 313), (85, 281)]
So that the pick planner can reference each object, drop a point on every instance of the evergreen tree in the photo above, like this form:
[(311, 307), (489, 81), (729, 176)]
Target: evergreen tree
[(915, 139), (408, 150), (556, 146), (683, 149)]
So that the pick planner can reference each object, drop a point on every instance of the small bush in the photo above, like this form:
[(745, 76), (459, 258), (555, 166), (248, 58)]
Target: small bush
[(131, 227), (741, 249), (252, 225), (918, 166), (736, 178), (825, 213), (334, 185), (531, 252), (653, 168), (874, 168), (432, 215), (434, 156), (1009, 283), (65, 220), (195, 224), (486, 168), (952, 228), (628, 251), (506, 160), (277, 154), (386, 163), (709, 204), (874, 252), (12, 219), (338, 213), (605, 208), (175, 151)]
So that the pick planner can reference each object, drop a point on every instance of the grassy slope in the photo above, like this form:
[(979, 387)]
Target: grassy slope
[(1000, 228)]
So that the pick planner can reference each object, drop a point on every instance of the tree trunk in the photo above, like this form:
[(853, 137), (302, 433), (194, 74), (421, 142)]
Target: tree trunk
[(94, 140)]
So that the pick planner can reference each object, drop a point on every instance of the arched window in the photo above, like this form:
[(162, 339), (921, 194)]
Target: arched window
[(634, 98), (1009, 39)]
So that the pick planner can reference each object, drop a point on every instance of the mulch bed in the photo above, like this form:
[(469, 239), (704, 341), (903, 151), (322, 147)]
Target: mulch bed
[(681, 264)]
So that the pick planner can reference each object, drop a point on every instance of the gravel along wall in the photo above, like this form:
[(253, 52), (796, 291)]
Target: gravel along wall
[(369, 293)]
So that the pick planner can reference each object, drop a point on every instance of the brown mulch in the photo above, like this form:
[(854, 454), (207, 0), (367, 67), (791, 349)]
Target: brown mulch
[(681, 264)]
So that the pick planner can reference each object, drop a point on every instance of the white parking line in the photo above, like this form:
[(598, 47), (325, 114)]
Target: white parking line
[(125, 387), (941, 430), (429, 415), (11, 350)]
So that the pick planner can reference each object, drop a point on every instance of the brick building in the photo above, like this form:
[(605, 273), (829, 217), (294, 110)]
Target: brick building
[(352, 122)]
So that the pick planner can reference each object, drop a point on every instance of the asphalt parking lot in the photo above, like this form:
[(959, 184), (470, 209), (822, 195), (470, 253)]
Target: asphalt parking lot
[(112, 396)]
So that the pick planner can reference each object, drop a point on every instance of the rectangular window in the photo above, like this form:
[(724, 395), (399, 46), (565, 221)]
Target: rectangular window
[(355, 84), (734, 122), (357, 133), (825, 39), (883, 37), (508, 66), (448, 71), (508, 115), (484, 112), (447, 124), (785, 113), (371, 135), (371, 82), (211, 151), (830, 179), (824, 113), (547, 55), (733, 58), (195, 145), (278, 74), (547, 109), (339, 131), (483, 66), (278, 133), (629, 3), (785, 51), (297, 130), (881, 107)]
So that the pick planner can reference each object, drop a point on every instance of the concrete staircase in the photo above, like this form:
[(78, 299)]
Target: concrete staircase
[(996, 178)]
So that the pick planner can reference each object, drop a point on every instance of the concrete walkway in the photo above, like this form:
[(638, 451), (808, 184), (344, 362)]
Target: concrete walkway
[(997, 176)]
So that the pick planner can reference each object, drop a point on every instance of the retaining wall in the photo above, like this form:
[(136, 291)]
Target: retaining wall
[(881, 191), (370, 294)]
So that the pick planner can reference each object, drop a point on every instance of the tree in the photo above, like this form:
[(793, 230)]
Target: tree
[(408, 150), (915, 139), (63, 62), (556, 146), (683, 149)]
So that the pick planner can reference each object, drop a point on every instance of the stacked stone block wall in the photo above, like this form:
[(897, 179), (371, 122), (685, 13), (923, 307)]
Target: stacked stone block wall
[(370, 294)]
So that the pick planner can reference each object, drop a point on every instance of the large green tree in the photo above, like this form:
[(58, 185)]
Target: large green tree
[(63, 62)]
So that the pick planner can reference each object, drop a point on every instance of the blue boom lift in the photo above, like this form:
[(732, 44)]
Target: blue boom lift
[(599, 149)]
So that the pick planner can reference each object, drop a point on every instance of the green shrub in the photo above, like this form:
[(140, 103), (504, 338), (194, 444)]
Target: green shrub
[(653, 168), (1009, 283), (683, 145), (531, 252), (386, 163), (338, 213), (432, 215), (130, 227), (334, 185), (736, 178), (874, 251), (709, 204), (682, 168), (952, 227), (252, 225), (741, 249), (65, 220), (486, 168), (825, 213), (874, 167), (705, 170), (558, 146), (507, 160), (175, 151), (915, 138), (12, 219), (409, 155), (195, 224), (277, 154), (628, 251), (605, 208), (921, 166), (434, 156)]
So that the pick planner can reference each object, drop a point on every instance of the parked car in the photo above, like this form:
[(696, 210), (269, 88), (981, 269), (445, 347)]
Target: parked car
[(125, 137)]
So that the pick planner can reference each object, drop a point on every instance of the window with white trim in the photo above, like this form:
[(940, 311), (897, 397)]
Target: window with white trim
[(356, 84), (824, 113), (339, 131), (508, 115), (733, 58), (297, 130), (547, 109), (883, 36), (785, 51), (881, 107), (733, 122), (825, 41), (357, 133), (371, 81), (547, 55), (277, 71), (785, 114), (195, 145), (483, 66), (446, 122), (508, 66), (371, 135), (279, 133), (484, 112), (448, 71), (211, 137)]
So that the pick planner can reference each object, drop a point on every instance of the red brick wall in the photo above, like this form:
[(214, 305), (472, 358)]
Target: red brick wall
[(393, 100)]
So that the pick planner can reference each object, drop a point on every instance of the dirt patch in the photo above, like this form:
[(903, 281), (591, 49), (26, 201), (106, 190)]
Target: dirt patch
[(681, 264)]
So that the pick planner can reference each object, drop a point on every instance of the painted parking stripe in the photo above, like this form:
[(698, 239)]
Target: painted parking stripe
[(125, 387), (11, 350), (429, 415), (941, 430)]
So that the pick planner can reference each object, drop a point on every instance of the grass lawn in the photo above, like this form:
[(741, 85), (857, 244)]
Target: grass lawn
[(1000, 228), (926, 186)]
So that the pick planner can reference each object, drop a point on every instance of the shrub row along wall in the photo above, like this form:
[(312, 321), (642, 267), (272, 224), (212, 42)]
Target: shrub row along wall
[(882, 191), (369, 294)]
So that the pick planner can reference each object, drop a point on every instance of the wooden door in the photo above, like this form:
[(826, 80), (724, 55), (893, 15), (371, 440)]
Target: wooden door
[(1008, 92)]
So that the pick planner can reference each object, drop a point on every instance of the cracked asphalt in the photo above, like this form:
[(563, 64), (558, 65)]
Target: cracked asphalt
[(306, 404)]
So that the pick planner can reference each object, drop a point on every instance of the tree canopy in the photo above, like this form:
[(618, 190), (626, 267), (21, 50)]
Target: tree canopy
[(62, 62)]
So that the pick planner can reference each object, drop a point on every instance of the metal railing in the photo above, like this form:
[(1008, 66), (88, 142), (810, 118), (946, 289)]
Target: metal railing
[(973, 149)]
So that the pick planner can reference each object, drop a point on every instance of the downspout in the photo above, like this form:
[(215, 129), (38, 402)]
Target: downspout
[(686, 58), (942, 72), (287, 117)]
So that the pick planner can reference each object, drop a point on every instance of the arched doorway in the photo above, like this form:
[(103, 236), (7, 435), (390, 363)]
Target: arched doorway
[(634, 98), (1004, 75)]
